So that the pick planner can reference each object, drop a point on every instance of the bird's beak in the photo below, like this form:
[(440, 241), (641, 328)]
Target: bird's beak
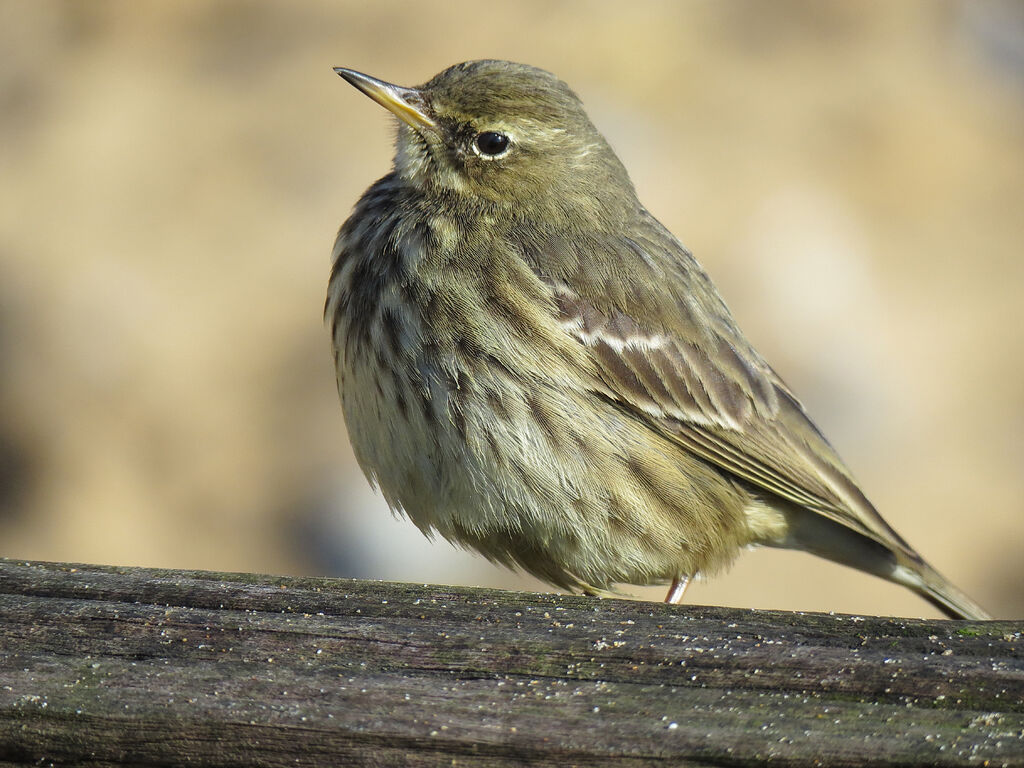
[(407, 103)]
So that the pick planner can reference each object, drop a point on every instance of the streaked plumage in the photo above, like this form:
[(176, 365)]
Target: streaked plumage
[(532, 366)]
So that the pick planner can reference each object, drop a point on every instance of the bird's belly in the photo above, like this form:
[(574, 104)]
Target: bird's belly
[(540, 476)]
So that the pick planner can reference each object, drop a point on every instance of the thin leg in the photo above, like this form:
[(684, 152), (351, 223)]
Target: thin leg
[(677, 590)]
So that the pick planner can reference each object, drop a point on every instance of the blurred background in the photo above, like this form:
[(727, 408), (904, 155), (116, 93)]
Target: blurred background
[(172, 176)]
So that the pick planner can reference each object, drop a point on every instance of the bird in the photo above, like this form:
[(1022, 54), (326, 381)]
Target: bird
[(533, 367)]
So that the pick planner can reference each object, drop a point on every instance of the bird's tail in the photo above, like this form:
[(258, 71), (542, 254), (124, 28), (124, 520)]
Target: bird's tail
[(938, 591), (826, 538)]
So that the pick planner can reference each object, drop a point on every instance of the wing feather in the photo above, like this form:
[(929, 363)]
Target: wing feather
[(686, 368)]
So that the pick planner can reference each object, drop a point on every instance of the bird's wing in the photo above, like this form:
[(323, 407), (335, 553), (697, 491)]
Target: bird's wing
[(678, 360)]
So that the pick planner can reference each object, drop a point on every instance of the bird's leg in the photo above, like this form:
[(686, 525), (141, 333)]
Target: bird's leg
[(677, 590)]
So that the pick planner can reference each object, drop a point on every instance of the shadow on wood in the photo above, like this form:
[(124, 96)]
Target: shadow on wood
[(127, 666)]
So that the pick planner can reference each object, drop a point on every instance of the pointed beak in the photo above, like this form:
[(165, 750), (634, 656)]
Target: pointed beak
[(407, 104)]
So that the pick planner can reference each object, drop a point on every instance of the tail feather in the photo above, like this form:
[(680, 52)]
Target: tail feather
[(821, 536), (938, 591)]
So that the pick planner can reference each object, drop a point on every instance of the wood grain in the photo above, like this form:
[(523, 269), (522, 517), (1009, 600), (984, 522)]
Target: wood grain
[(104, 666)]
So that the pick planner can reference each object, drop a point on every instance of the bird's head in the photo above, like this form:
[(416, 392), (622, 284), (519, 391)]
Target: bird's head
[(502, 132)]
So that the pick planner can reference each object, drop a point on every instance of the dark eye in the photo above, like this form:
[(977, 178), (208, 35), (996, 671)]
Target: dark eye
[(491, 143)]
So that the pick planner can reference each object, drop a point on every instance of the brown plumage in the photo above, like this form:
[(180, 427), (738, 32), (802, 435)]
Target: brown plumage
[(532, 366)]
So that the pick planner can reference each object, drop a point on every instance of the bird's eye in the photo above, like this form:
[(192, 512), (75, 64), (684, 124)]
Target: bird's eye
[(491, 143)]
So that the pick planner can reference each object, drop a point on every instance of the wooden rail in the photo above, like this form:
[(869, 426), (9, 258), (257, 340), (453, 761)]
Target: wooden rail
[(108, 666)]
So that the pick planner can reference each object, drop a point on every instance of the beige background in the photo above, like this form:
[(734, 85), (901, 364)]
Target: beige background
[(172, 176)]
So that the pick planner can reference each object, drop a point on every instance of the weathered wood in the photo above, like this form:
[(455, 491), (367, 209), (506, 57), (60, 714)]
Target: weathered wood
[(125, 666)]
